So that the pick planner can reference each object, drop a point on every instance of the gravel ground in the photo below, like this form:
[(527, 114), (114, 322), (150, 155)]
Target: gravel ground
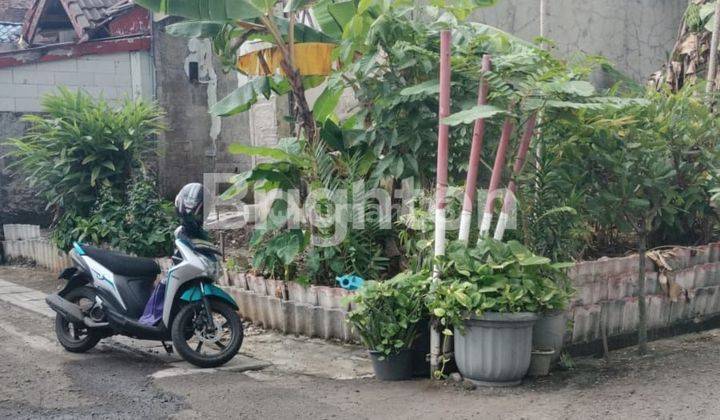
[(40, 380)]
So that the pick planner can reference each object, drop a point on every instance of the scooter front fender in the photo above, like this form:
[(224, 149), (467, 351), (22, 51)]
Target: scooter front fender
[(195, 293)]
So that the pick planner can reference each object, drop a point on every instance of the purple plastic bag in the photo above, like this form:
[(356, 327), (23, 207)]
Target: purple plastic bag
[(154, 308)]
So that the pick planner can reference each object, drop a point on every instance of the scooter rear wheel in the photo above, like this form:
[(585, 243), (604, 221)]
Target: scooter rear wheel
[(201, 347), (77, 338)]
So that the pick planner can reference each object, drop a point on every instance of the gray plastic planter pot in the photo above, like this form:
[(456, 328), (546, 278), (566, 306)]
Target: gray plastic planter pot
[(396, 367), (549, 331), (540, 362), (494, 349)]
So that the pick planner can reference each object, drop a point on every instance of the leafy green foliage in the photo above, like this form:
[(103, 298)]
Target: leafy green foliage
[(603, 174), (495, 277), (396, 84), (80, 144), (387, 314), (140, 223), (286, 249)]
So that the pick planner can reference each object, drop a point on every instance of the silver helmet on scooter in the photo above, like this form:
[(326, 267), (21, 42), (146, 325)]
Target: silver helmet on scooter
[(189, 204)]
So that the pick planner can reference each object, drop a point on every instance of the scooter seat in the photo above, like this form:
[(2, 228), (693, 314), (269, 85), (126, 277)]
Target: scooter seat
[(121, 264)]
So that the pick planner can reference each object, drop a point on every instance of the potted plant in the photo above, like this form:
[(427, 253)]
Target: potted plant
[(490, 295), (386, 316), (549, 329)]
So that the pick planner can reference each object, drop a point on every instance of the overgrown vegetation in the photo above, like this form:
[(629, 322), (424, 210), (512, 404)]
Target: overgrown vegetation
[(603, 171), (86, 158), (584, 168), (389, 60), (141, 223)]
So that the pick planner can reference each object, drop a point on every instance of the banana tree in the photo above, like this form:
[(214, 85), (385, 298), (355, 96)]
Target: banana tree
[(230, 24)]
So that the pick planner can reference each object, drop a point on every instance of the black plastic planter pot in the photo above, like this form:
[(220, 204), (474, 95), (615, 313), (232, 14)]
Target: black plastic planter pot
[(419, 349), (396, 367)]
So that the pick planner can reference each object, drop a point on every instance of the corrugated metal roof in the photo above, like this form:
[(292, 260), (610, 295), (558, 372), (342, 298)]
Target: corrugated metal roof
[(10, 32)]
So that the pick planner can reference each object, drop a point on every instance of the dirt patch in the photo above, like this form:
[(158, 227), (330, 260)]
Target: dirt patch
[(32, 277)]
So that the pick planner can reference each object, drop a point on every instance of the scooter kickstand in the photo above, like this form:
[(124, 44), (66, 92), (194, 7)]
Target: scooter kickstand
[(168, 347)]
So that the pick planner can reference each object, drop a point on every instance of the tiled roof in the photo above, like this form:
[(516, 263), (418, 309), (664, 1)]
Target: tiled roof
[(14, 10), (85, 15), (9, 32), (90, 13)]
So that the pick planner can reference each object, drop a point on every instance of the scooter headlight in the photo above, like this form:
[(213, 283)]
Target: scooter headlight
[(212, 265)]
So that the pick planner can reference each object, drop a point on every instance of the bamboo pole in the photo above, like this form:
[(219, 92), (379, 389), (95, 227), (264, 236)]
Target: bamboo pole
[(517, 168), (442, 174), (475, 152), (496, 175), (712, 66)]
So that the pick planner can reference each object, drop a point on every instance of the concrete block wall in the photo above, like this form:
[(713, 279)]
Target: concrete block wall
[(109, 75), (636, 36), (686, 291), (25, 242), (312, 311)]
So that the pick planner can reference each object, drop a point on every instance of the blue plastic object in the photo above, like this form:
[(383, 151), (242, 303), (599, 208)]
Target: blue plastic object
[(350, 282)]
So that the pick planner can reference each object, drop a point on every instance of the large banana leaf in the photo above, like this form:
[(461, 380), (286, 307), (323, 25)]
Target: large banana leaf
[(215, 10), (242, 98), (211, 28), (195, 29)]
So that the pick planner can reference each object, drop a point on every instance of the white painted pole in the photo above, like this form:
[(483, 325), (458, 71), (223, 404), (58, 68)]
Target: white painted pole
[(509, 201), (474, 161), (441, 186), (487, 216)]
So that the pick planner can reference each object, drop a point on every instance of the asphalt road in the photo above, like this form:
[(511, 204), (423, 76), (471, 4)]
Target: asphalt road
[(40, 380)]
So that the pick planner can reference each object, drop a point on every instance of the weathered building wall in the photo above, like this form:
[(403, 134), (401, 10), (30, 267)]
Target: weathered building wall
[(636, 35), (109, 75), (112, 76), (197, 143), (18, 204)]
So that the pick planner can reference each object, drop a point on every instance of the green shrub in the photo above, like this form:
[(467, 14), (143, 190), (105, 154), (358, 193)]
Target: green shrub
[(388, 313), (142, 224), (596, 163), (496, 277), (80, 144)]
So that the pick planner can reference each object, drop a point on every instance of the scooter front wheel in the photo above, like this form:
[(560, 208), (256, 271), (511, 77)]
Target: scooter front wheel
[(203, 346)]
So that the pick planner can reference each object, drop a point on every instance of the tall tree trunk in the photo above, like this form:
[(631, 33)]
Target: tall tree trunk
[(642, 306), (307, 120)]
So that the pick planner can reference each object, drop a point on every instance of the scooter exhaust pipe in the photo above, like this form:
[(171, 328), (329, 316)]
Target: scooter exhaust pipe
[(69, 310)]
